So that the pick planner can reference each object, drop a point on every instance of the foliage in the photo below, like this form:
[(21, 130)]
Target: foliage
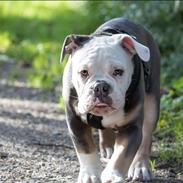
[(152, 164), (32, 33)]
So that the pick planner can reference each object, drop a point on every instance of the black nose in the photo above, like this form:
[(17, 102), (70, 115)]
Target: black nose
[(102, 88)]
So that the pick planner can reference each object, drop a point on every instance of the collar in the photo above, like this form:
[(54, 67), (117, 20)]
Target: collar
[(95, 121)]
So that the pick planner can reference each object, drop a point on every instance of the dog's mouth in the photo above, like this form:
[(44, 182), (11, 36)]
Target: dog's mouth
[(101, 105), (101, 108)]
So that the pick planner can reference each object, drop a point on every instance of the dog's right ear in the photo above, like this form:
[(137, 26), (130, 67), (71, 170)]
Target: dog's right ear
[(73, 42)]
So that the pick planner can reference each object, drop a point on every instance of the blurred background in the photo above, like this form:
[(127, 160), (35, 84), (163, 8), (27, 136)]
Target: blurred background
[(32, 33)]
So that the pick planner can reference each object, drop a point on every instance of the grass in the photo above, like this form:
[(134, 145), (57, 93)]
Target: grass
[(33, 32)]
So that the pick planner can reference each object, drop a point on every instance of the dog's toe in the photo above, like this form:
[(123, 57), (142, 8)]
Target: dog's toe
[(85, 177), (139, 171), (111, 176)]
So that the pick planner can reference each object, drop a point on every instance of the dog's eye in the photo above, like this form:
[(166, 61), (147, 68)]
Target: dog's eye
[(84, 73), (118, 72)]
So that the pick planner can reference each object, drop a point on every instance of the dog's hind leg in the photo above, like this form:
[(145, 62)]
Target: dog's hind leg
[(106, 138)]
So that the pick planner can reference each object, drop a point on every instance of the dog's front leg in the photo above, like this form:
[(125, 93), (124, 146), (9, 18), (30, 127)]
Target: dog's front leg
[(139, 169), (127, 142), (90, 167)]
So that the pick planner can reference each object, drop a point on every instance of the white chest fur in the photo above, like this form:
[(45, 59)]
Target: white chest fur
[(119, 118), (113, 120)]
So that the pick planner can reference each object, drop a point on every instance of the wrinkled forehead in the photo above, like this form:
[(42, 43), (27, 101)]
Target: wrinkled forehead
[(103, 49)]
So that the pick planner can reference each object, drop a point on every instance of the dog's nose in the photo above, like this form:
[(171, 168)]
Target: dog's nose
[(102, 88)]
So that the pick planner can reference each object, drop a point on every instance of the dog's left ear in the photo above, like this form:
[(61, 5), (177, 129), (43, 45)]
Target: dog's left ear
[(71, 43), (132, 47)]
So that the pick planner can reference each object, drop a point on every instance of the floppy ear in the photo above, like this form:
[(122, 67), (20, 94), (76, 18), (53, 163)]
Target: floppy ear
[(71, 43), (133, 47)]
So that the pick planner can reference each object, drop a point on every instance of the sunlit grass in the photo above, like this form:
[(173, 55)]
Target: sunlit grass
[(41, 9), (5, 41), (33, 31)]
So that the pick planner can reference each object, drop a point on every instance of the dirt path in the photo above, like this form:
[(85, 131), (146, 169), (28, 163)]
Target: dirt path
[(34, 143)]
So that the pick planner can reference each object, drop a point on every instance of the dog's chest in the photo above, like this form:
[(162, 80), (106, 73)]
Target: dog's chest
[(116, 119), (113, 120)]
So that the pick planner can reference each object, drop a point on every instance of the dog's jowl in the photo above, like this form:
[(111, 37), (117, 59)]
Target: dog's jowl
[(111, 82)]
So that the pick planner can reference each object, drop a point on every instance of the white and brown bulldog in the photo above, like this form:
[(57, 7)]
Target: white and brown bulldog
[(111, 82)]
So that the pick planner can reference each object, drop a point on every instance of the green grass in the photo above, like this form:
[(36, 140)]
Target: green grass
[(33, 32), (170, 126)]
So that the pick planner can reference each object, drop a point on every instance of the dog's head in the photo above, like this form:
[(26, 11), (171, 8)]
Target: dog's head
[(102, 69)]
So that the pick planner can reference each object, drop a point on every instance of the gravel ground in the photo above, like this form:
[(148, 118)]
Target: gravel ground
[(34, 143)]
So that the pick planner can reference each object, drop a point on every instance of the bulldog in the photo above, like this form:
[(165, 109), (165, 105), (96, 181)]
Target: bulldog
[(112, 82)]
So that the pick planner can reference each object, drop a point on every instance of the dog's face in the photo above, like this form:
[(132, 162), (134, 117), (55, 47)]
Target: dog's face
[(101, 75), (102, 70)]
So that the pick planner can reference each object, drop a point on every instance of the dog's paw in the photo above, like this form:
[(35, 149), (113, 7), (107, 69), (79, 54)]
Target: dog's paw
[(111, 176), (88, 177), (139, 171), (90, 168)]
